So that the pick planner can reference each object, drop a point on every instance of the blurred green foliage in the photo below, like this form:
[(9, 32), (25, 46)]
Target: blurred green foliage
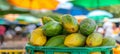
[(48, 13), (115, 10), (13, 11)]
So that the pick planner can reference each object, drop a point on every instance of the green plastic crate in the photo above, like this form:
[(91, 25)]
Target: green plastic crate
[(75, 50)]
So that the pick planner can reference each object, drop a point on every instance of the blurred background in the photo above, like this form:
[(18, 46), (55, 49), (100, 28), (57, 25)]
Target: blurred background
[(18, 18)]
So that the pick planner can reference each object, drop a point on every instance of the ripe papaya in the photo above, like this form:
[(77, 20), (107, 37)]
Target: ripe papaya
[(95, 53), (94, 39), (70, 23), (75, 40), (37, 37)]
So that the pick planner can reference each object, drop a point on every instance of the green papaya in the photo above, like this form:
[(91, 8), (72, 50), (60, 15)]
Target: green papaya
[(108, 41), (87, 26), (56, 18), (55, 41), (61, 45), (52, 28), (70, 23), (46, 19), (94, 39), (64, 32)]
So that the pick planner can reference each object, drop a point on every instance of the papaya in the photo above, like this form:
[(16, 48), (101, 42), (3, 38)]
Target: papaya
[(39, 52), (64, 32), (52, 28), (37, 37), (75, 40), (108, 41), (87, 26), (61, 53), (56, 18), (61, 45), (28, 38), (54, 53), (70, 23), (56, 41), (95, 53), (94, 39), (46, 19)]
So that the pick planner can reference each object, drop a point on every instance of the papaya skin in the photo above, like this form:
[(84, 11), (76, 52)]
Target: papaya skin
[(70, 23)]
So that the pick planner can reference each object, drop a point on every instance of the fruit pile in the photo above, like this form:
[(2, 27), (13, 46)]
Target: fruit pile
[(67, 32)]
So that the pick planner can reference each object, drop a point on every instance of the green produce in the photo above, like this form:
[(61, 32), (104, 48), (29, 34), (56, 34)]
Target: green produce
[(61, 45), (56, 18), (28, 38), (64, 32), (87, 26), (108, 41), (52, 28), (94, 39), (70, 23), (56, 41), (46, 19), (75, 40)]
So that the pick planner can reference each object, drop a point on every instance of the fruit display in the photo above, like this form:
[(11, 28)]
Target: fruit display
[(68, 33)]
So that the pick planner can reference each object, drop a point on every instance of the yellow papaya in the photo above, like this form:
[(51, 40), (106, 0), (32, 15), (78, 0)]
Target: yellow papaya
[(95, 53), (39, 52), (37, 37), (70, 23), (75, 40), (94, 39)]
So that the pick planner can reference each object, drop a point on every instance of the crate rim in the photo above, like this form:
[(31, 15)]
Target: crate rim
[(45, 47)]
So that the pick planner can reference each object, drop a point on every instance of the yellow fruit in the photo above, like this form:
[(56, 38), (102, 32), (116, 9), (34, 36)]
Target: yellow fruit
[(37, 37), (54, 53), (39, 53), (61, 53), (94, 39), (95, 53), (75, 40)]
